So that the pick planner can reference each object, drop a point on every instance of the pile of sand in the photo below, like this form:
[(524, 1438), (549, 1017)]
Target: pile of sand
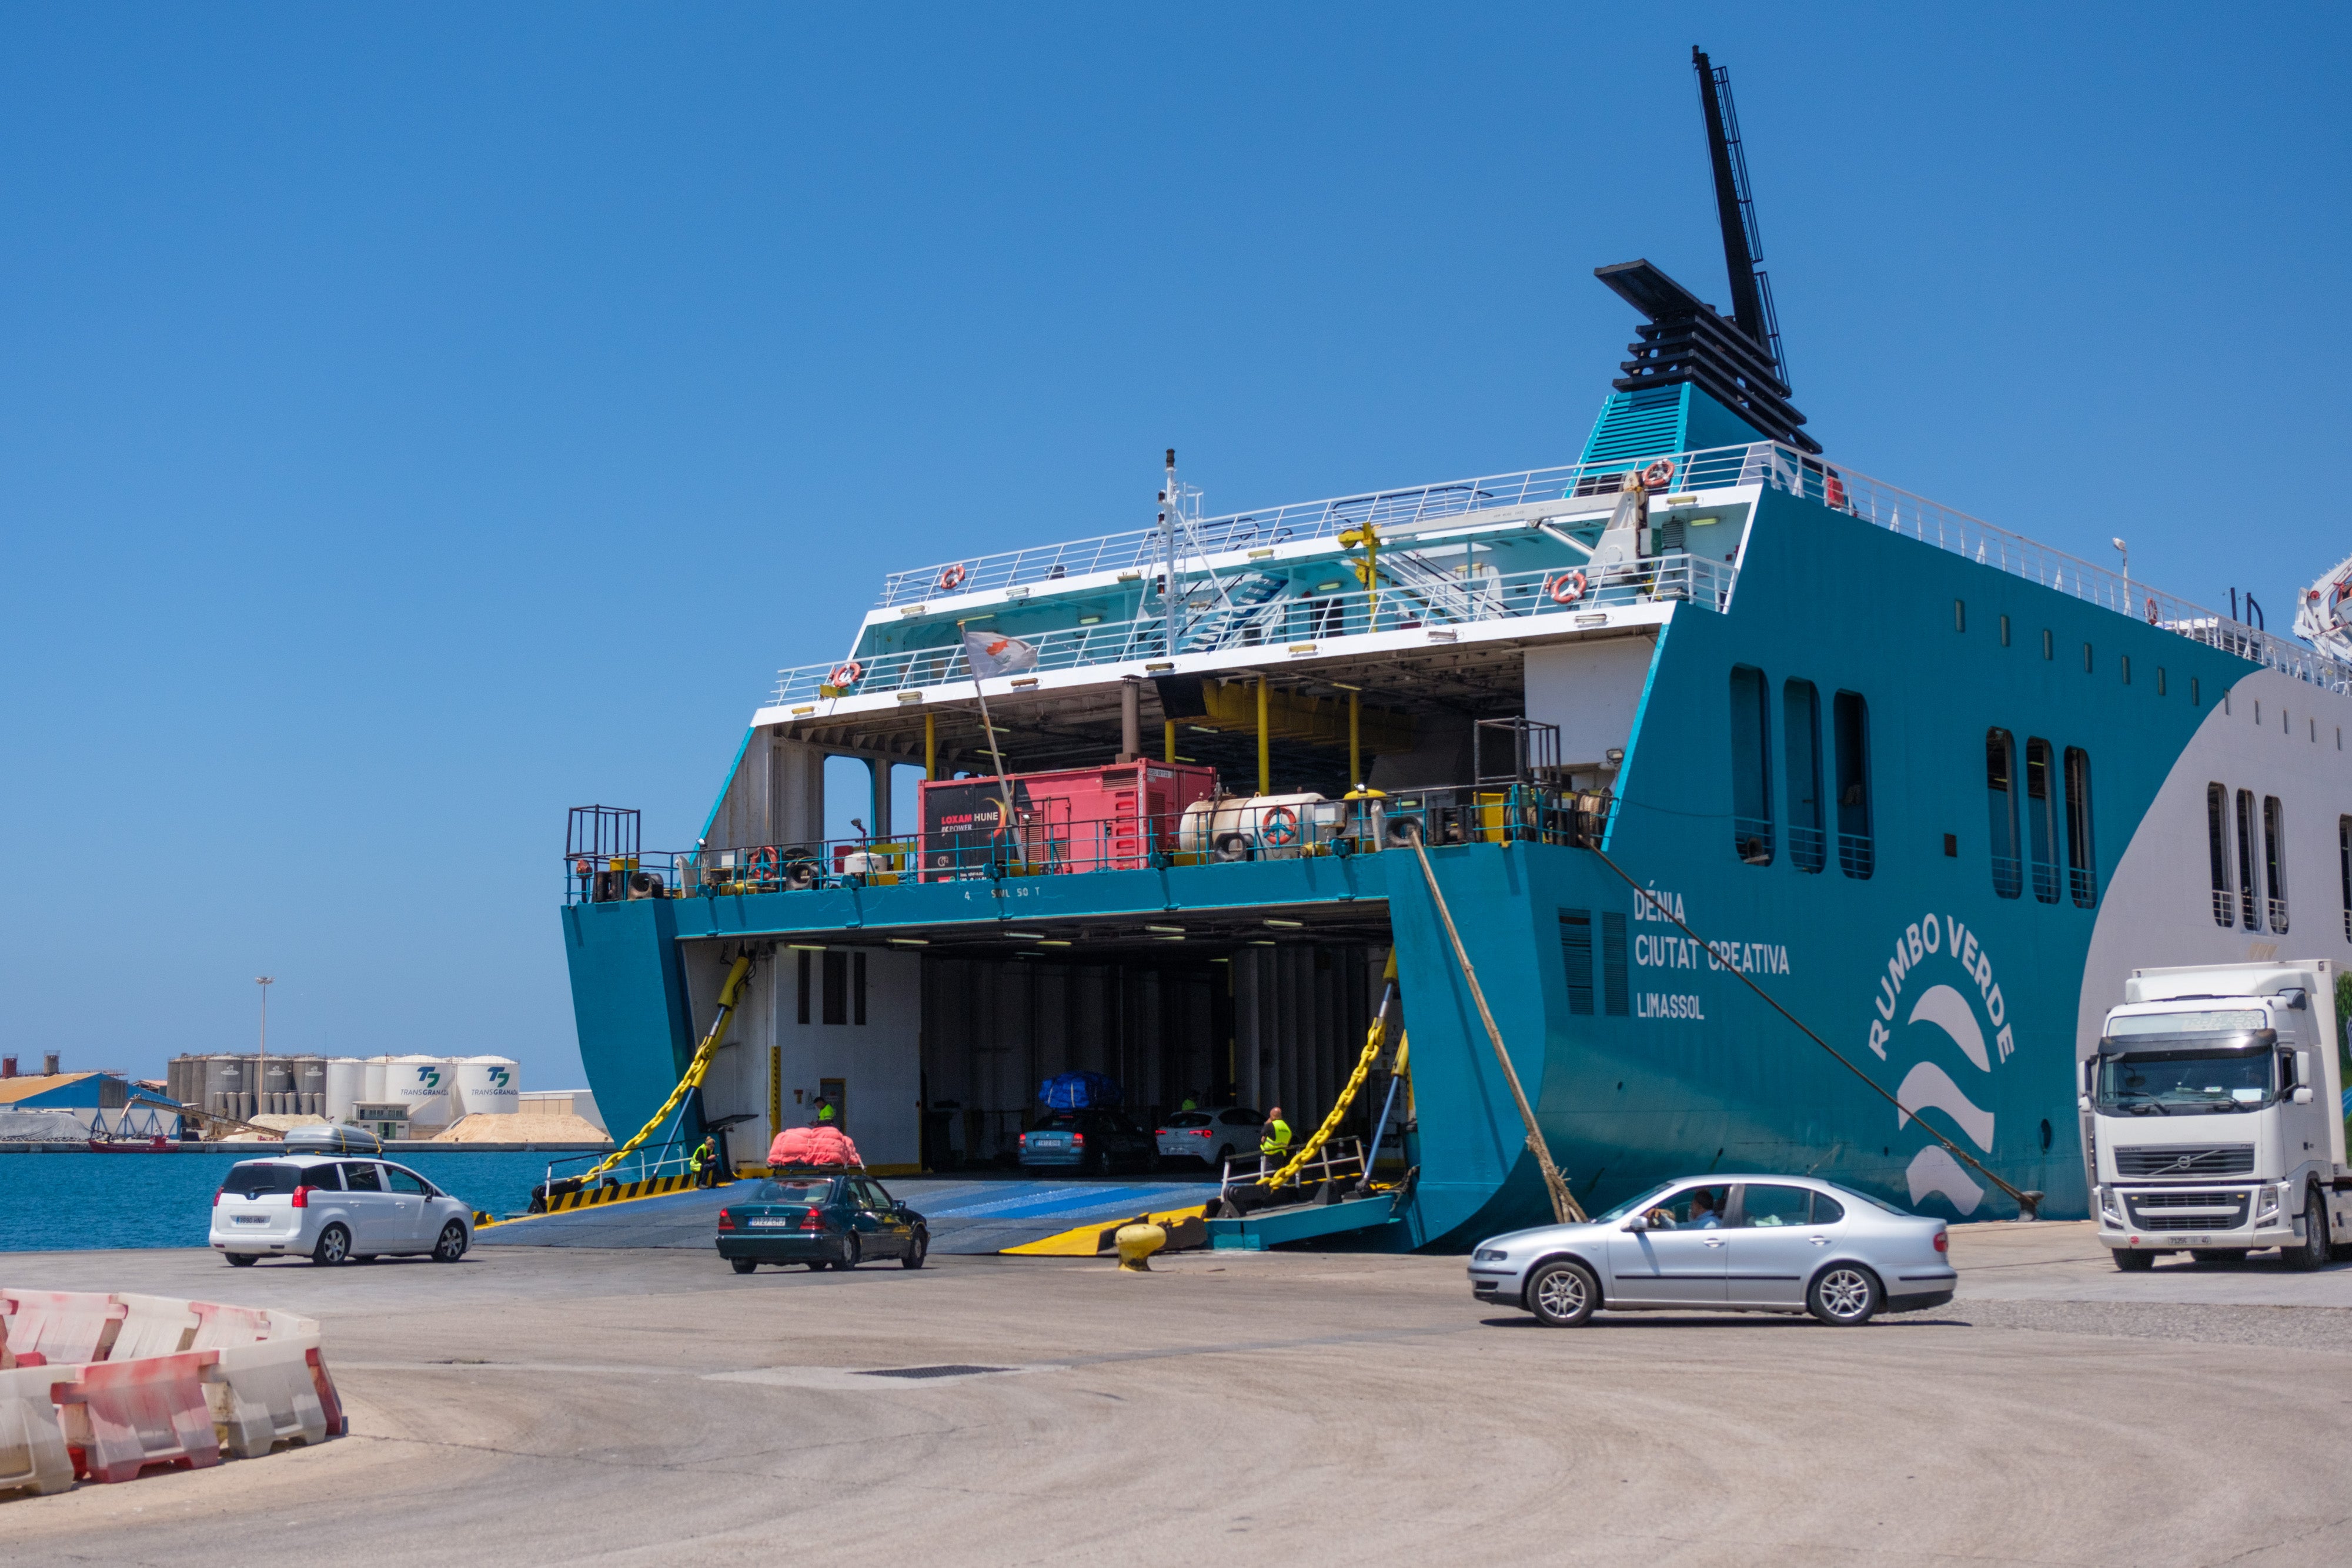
[(539, 1127)]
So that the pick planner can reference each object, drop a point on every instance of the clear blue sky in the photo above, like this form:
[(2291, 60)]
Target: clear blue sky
[(419, 419)]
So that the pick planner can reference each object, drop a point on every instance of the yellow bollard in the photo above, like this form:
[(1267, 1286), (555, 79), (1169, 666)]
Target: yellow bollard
[(1135, 1244)]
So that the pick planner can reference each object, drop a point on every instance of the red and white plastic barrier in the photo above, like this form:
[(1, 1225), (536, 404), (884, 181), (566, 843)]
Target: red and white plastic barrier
[(105, 1388), (33, 1456)]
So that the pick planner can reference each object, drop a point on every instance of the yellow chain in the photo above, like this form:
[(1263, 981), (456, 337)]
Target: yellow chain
[(1347, 1097), (694, 1069)]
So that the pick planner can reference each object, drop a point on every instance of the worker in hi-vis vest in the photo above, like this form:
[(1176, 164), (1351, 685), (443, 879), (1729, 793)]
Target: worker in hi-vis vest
[(1275, 1137), (706, 1163), (824, 1111)]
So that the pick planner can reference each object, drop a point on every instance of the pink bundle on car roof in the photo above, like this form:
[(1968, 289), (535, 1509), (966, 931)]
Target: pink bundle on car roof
[(820, 1145)]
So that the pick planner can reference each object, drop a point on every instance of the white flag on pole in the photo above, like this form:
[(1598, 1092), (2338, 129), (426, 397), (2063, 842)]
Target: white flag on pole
[(993, 654)]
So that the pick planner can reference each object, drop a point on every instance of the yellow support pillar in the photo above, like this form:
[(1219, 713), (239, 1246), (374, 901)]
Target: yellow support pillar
[(1264, 745), (1168, 738), (930, 745)]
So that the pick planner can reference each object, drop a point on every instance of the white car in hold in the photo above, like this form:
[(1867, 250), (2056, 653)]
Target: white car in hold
[(333, 1211), (1213, 1135)]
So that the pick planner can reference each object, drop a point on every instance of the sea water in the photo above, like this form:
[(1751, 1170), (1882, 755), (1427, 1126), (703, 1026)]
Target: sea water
[(57, 1202)]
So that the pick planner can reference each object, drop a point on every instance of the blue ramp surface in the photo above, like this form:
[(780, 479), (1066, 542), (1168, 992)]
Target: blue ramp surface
[(963, 1217)]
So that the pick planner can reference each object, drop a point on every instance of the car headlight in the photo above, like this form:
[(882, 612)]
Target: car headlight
[(2110, 1207), (1489, 1255)]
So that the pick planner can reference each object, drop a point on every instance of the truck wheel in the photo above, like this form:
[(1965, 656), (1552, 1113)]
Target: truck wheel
[(2217, 1254), (2313, 1251), (2132, 1262)]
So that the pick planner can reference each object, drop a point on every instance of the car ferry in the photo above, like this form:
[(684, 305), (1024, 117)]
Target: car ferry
[(1705, 717)]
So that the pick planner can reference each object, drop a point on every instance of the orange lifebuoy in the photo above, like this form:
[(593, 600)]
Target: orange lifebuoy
[(1567, 588), (1658, 474), (2151, 610), (847, 675), (953, 577), (583, 868), (1279, 826), (763, 864)]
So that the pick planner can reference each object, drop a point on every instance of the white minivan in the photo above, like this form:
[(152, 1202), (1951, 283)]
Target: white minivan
[(333, 1210)]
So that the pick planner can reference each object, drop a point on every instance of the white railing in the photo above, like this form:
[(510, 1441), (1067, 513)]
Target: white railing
[(1282, 623), (1915, 517), (1784, 468), (1139, 549)]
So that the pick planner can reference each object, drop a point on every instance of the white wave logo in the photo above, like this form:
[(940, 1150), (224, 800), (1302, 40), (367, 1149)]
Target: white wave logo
[(1951, 1017)]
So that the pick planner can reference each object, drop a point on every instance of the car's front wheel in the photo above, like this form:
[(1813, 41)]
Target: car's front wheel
[(743, 1265), (2133, 1262), (1562, 1294), (917, 1249), (334, 1246), (452, 1244), (243, 1259), (1845, 1295)]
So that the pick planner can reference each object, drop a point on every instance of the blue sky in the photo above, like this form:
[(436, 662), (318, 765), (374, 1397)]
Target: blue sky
[(419, 420)]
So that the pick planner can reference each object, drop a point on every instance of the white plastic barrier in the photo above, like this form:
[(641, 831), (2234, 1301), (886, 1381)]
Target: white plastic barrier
[(153, 1325), (126, 1415), (264, 1395), (131, 1382), (61, 1326), (32, 1442)]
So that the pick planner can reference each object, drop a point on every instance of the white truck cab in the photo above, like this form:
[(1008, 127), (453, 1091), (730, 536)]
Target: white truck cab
[(2217, 1115)]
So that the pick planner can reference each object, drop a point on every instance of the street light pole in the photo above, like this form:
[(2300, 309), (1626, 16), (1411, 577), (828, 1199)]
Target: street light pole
[(265, 982)]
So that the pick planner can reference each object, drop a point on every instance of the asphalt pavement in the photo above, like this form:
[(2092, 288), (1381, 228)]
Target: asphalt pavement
[(563, 1404)]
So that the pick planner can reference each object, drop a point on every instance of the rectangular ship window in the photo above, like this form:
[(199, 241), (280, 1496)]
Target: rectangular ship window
[(2041, 819), (1576, 958), (2082, 859), (1615, 994), (2248, 915), (2217, 852), (2000, 768), (1751, 766), (2275, 862), (804, 957), (1801, 723), (858, 988), (1850, 723)]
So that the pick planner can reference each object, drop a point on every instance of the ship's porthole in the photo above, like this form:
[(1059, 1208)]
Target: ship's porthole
[(2045, 1134)]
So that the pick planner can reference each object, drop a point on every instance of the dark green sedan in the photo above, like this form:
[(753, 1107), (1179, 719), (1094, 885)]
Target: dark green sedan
[(823, 1219)]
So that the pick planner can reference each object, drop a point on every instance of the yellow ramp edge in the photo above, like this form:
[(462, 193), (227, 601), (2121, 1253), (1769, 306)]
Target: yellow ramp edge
[(1094, 1238)]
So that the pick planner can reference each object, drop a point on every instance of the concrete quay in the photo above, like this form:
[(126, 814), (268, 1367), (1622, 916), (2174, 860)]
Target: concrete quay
[(562, 1404)]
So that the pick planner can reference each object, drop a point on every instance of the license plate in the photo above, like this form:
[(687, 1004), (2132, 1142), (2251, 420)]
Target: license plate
[(772, 1224), (250, 1218)]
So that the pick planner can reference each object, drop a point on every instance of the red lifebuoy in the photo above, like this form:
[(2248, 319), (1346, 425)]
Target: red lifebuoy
[(583, 868), (953, 577), (763, 864), (1658, 474), (1567, 588), (2151, 610), (847, 675), (1279, 825)]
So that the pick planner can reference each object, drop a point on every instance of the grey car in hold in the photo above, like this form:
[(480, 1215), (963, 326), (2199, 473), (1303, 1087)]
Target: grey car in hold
[(1724, 1243)]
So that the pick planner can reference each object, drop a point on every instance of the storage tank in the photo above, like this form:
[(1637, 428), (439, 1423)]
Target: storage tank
[(376, 1088), (309, 1084), (423, 1084), (346, 1086), (223, 1075), (490, 1086)]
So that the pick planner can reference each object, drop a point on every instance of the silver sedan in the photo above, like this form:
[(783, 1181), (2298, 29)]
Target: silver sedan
[(1724, 1243)]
